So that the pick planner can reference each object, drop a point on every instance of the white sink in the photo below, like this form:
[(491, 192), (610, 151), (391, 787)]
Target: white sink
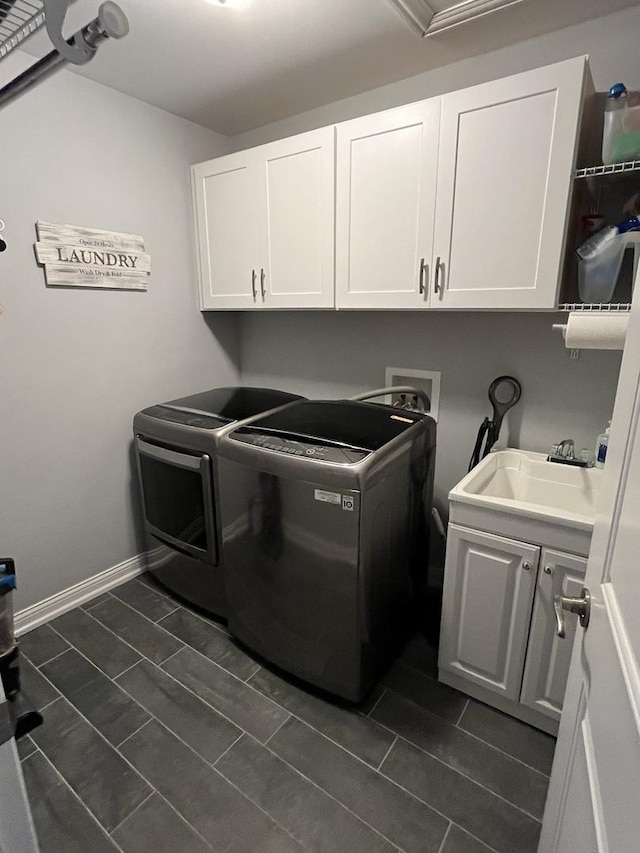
[(524, 486)]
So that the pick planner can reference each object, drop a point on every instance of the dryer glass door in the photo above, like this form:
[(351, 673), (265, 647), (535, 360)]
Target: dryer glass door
[(178, 498)]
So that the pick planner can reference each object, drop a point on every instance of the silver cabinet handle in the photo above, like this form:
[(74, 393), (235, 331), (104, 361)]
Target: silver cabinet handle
[(436, 282), (424, 275), (262, 278), (581, 606), (526, 567), (253, 284)]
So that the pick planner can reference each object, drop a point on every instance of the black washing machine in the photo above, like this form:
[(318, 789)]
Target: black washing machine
[(324, 529), (176, 448)]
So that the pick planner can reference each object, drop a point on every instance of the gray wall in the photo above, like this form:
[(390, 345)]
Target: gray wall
[(338, 354), (77, 364), (333, 354), (610, 41)]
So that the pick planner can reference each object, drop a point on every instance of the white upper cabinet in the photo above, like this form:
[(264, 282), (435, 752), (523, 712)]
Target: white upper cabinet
[(457, 202), (385, 202), (224, 193), (505, 167), (297, 245), (265, 225)]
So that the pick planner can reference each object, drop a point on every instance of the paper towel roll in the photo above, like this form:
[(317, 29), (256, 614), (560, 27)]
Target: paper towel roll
[(596, 330)]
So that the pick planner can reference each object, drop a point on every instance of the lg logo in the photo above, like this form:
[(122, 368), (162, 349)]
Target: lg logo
[(347, 503)]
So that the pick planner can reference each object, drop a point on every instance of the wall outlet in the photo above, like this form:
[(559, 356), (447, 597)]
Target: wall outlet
[(426, 380)]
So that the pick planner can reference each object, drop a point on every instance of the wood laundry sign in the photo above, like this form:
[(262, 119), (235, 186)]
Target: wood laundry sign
[(87, 257)]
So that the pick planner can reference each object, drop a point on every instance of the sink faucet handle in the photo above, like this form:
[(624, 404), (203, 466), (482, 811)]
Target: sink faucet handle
[(567, 448)]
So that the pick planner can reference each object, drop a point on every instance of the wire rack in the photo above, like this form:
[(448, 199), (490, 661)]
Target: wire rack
[(18, 20), (611, 307), (613, 169)]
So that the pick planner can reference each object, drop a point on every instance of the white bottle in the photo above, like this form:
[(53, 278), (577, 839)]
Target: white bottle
[(602, 444)]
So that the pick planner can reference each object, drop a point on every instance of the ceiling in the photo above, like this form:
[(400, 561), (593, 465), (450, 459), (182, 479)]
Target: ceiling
[(235, 68)]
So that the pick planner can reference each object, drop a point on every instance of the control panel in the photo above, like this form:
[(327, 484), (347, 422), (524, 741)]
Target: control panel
[(175, 416), (300, 447)]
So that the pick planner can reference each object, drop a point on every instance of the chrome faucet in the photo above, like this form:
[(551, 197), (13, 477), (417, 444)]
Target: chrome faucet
[(565, 452), (566, 448)]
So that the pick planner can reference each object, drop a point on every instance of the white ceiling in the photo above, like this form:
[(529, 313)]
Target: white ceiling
[(233, 69)]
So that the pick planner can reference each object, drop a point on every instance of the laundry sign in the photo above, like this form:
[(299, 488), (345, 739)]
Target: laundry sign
[(86, 257)]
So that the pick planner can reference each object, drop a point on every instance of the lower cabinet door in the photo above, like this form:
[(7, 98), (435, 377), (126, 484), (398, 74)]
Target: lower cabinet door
[(489, 586), (548, 656)]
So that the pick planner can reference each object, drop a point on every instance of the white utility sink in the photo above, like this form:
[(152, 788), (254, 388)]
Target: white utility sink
[(523, 494)]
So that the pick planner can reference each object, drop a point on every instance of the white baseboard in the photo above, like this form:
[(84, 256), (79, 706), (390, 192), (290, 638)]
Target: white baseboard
[(56, 605)]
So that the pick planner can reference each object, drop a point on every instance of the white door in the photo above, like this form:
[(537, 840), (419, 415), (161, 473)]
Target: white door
[(489, 584), (385, 200), (507, 154), (297, 201), (226, 222), (594, 795), (548, 656)]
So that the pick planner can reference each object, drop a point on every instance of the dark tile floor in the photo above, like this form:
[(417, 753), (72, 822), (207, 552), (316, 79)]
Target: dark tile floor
[(162, 736)]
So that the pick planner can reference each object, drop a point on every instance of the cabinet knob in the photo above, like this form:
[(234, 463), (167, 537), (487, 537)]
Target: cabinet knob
[(548, 570), (526, 566)]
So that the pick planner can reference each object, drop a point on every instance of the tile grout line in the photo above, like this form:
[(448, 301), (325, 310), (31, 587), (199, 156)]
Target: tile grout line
[(211, 622), (184, 687), (470, 734), (139, 806), (100, 735), (475, 837), (166, 660), (142, 616), (76, 649), (222, 754), (44, 663), (457, 723), (75, 796), (326, 793), (386, 755), (212, 767), (183, 818), (460, 773), (281, 726), (376, 703), (133, 607), (444, 840), (133, 734)]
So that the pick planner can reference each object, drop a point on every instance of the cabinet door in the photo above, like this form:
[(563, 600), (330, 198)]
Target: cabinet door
[(385, 201), (548, 656), (297, 188), (507, 154), (226, 221), (489, 585)]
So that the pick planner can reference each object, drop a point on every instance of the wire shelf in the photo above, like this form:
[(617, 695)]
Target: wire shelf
[(612, 307), (18, 20), (613, 169)]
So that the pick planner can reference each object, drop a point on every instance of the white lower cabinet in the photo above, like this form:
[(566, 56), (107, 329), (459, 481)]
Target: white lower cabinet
[(548, 656), (498, 638)]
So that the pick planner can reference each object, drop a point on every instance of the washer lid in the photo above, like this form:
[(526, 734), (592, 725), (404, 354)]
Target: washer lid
[(366, 426), (235, 403)]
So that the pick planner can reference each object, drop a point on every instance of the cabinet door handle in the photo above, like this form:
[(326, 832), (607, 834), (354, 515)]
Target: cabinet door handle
[(437, 287), (527, 566), (424, 275), (581, 606), (262, 278), (253, 284)]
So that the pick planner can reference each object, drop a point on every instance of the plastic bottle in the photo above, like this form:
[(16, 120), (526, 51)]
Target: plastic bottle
[(614, 107), (594, 245), (602, 444)]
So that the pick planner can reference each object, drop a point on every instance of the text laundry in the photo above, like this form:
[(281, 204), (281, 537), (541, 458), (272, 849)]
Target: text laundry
[(88, 256)]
